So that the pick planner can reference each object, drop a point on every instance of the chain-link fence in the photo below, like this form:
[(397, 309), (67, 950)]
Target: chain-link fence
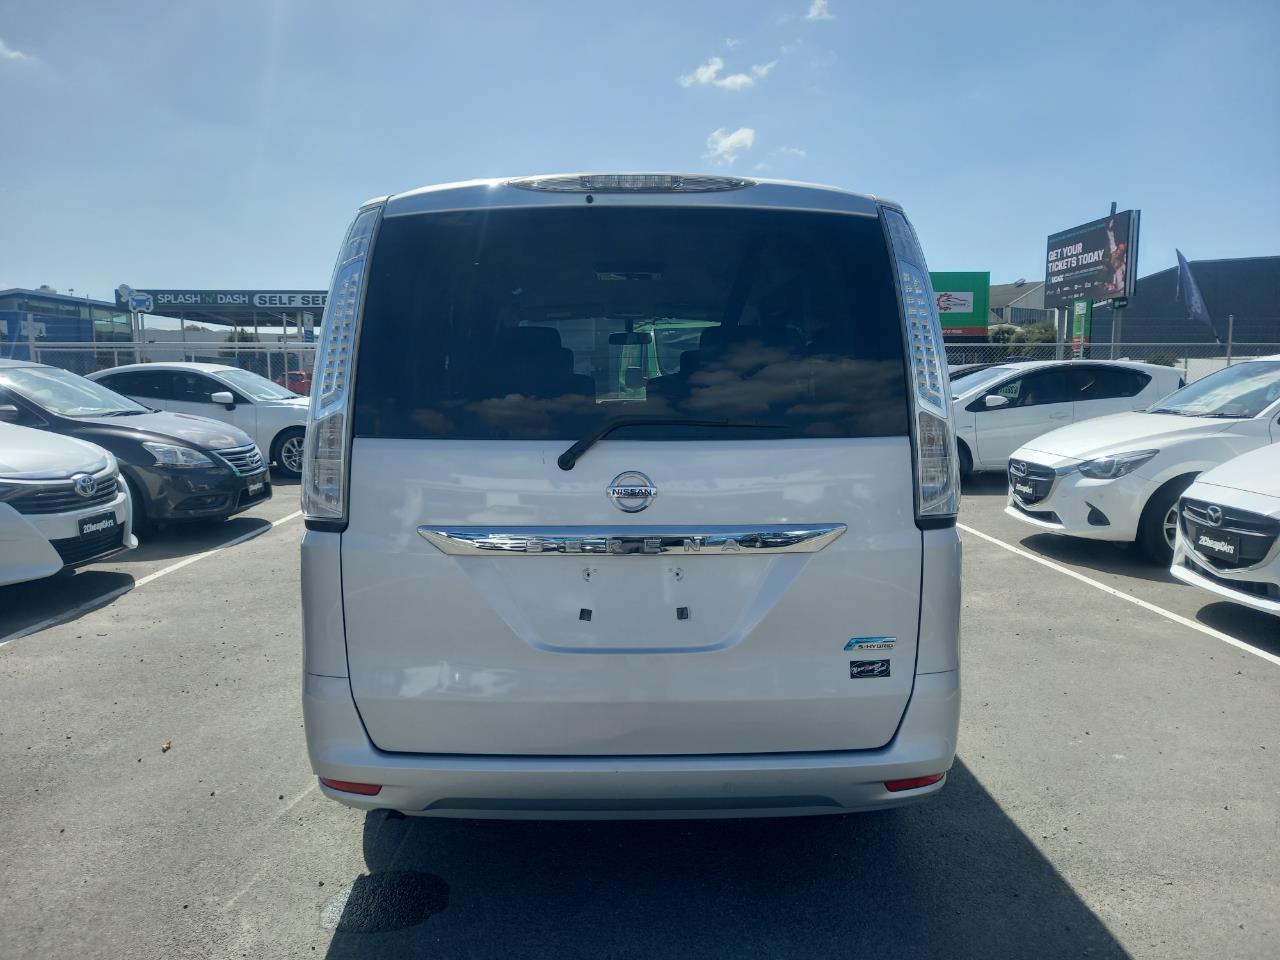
[(288, 364), (1195, 360)]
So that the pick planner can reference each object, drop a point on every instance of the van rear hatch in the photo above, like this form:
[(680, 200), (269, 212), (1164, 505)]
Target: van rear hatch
[(734, 569)]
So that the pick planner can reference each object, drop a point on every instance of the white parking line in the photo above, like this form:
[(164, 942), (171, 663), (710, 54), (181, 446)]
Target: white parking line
[(1167, 614), (106, 598)]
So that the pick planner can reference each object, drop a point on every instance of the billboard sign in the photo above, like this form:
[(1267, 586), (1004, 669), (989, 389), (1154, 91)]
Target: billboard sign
[(225, 301), (963, 300), (1096, 261)]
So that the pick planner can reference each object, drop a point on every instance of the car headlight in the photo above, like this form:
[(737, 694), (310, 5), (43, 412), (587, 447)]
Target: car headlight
[(1116, 465), (173, 455)]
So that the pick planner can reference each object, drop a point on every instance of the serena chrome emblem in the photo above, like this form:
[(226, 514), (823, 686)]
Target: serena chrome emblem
[(630, 540), (631, 491), (85, 485)]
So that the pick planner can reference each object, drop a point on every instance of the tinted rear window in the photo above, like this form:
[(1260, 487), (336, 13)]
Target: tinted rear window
[(543, 323)]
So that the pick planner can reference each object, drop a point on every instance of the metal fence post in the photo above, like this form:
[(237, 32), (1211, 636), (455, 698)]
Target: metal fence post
[(1231, 335)]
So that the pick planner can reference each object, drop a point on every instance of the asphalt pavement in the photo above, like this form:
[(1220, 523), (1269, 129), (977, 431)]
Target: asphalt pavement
[(1116, 793)]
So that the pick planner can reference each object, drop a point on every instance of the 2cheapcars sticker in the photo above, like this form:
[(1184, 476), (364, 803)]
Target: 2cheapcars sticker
[(1218, 546)]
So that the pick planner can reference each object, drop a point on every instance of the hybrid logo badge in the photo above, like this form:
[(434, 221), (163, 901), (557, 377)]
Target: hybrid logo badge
[(631, 491), (85, 485), (1213, 513)]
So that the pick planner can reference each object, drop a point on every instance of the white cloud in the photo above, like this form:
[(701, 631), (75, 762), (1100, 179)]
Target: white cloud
[(704, 74), (8, 53), (793, 152), (734, 81), (725, 147), (819, 10), (710, 74), (731, 42)]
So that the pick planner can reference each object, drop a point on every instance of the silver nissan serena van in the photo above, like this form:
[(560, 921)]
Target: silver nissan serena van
[(630, 495)]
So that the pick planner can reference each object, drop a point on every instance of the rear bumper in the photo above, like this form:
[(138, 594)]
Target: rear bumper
[(578, 788)]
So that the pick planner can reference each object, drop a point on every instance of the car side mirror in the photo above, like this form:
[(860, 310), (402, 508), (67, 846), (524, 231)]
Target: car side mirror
[(994, 401), (223, 397), (10, 413)]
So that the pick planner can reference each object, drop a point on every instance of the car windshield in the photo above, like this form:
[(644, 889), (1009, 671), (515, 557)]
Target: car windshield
[(1238, 392), (978, 379), (67, 395), (256, 387)]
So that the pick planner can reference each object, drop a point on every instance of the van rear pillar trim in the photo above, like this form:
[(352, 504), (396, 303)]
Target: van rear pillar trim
[(631, 540)]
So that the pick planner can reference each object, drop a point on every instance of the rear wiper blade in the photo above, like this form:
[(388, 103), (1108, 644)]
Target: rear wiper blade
[(571, 456)]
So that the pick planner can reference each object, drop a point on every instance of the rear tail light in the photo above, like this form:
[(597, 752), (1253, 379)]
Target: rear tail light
[(937, 466), (350, 786), (324, 465), (912, 783)]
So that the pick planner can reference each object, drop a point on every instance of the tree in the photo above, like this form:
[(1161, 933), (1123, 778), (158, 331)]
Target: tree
[(1001, 333), (1035, 333), (237, 336)]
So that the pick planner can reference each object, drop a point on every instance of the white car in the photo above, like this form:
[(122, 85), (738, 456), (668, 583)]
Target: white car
[(61, 504), (275, 417), (998, 409), (632, 501), (1229, 531), (1119, 478)]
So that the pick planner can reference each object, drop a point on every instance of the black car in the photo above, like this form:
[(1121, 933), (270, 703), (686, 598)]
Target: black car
[(177, 467)]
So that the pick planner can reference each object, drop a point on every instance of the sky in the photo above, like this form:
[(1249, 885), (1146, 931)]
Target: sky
[(184, 144)]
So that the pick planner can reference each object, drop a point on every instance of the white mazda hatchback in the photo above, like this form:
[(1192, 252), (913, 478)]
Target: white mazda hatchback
[(630, 496), (1118, 478)]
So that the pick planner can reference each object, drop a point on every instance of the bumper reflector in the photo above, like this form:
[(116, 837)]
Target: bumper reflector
[(911, 783), (347, 786)]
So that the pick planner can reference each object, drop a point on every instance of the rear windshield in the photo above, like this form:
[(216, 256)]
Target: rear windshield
[(544, 323)]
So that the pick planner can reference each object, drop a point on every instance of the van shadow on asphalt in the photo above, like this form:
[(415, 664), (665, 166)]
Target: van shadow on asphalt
[(954, 877)]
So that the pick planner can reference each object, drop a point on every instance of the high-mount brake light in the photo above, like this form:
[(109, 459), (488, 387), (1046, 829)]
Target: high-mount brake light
[(631, 183), (324, 466), (937, 469)]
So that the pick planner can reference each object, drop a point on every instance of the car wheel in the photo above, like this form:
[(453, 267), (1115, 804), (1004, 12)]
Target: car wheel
[(966, 461), (137, 507), (1158, 527), (287, 452)]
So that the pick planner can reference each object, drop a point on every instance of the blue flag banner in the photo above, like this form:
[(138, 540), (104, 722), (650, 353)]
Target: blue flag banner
[(1190, 292)]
